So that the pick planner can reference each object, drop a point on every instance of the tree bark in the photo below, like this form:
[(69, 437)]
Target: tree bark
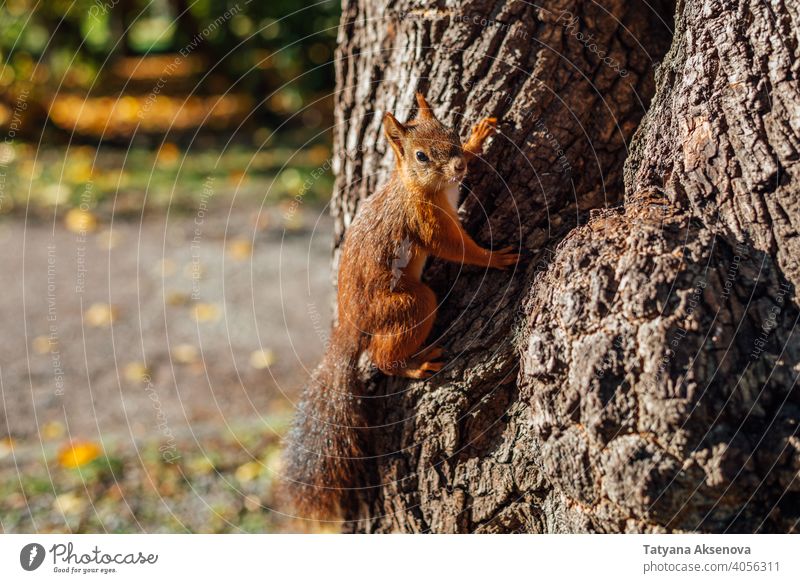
[(637, 372)]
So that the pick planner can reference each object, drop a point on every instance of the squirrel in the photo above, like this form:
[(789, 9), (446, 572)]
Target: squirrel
[(384, 309)]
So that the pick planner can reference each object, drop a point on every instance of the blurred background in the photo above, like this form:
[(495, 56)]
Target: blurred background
[(164, 175)]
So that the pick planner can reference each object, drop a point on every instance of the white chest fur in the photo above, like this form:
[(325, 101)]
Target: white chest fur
[(451, 194)]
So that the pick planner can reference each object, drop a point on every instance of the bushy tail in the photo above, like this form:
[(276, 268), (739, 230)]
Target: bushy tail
[(324, 457)]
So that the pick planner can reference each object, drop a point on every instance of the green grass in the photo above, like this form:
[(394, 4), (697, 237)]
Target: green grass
[(109, 179), (222, 482)]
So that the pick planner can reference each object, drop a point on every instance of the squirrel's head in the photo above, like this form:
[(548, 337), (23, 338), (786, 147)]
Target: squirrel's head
[(429, 154)]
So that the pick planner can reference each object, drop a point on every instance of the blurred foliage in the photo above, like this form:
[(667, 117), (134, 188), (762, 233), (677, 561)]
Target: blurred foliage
[(141, 101), (256, 44), (279, 52)]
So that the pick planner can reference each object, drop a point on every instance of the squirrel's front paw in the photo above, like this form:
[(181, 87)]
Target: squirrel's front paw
[(504, 258), (484, 128)]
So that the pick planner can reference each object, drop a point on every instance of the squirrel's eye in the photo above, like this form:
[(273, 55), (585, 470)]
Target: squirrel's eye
[(422, 157)]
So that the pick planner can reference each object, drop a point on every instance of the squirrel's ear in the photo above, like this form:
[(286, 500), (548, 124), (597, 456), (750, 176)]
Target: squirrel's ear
[(424, 109), (395, 132)]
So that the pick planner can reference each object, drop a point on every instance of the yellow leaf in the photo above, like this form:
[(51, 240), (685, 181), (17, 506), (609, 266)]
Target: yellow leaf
[(52, 430), (42, 345), (248, 471), (135, 372), (273, 461), (78, 171), (78, 453), (200, 465), (69, 503), (262, 359), (205, 312), (80, 221), (6, 446), (101, 315), (185, 353), (240, 249), (54, 194)]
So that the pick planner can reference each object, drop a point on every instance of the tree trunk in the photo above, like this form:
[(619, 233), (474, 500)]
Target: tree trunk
[(637, 372)]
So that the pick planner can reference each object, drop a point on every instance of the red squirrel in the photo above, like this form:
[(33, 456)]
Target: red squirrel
[(384, 309)]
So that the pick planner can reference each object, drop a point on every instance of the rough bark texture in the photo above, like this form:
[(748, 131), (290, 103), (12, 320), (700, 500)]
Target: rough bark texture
[(637, 372)]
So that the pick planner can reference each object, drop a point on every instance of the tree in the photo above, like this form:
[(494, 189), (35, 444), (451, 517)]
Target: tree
[(637, 372)]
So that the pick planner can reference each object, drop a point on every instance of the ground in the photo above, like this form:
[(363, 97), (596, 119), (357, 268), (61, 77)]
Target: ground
[(150, 366)]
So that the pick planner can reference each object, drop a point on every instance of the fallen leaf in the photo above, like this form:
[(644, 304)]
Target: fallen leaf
[(185, 353), (205, 312), (101, 315), (80, 221), (262, 359), (55, 194), (42, 345), (247, 472), (273, 461), (78, 171), (53, 430), (200, 465), (6, 446), (176, 298), (78, 453), (135, 372), (240, 249)]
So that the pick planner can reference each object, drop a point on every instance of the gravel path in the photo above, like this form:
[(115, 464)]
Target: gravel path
[(145, 330)]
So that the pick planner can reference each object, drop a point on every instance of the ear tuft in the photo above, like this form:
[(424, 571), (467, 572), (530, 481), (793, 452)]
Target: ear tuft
[(424, 109)]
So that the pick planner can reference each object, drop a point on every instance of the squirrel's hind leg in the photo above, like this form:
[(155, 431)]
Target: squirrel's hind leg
[(406, 323), (412, 368)]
